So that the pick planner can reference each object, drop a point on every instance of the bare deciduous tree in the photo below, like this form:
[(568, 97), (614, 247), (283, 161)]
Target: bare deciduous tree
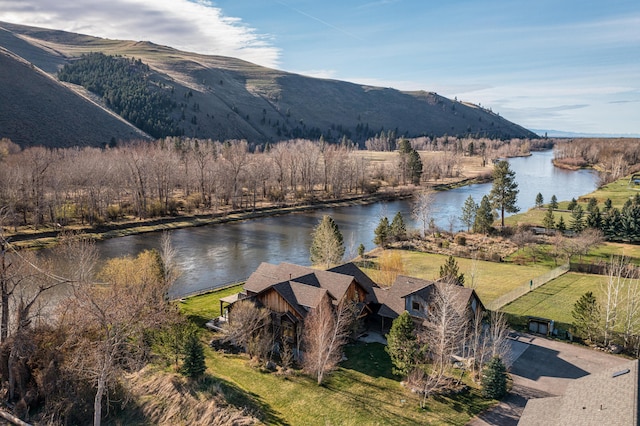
[(612, 289), (423, 210), (326, 331), (246, 322)]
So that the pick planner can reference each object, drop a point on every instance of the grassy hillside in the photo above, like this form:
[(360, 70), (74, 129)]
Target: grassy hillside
[(224, 98)]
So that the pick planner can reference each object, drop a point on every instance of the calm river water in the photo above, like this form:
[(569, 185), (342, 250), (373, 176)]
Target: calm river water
[(215, 255)]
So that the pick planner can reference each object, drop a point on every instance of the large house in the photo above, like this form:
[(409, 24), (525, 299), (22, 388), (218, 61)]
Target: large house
[(290, 291), (610, 397)]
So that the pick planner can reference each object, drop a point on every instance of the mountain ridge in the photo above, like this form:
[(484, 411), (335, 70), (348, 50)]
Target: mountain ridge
[(227, 98)]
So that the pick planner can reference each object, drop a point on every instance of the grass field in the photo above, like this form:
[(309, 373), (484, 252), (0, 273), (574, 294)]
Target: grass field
[(555, 299), (362, 391), (491, 279)]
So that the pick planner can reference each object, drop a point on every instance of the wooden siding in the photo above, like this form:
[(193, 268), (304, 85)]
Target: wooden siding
[(272, 300)]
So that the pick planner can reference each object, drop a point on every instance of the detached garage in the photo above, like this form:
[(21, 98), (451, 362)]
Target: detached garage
[(542, 326)]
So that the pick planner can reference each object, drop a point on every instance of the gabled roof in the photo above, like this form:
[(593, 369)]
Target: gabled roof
[(392, 298), (301, 297), (363, 279), (606, 398), (268, 275)]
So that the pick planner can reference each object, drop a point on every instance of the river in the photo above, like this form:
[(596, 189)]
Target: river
[(218, 254)]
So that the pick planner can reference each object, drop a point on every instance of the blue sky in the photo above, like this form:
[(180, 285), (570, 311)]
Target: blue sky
[(563, 65)]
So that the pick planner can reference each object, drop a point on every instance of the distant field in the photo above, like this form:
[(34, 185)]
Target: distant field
[(492, 279), (555, 299)]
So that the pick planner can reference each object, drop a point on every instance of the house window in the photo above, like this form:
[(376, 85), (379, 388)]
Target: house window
[(416, 306)]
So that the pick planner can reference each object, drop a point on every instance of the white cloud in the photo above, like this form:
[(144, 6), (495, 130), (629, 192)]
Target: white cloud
[(192, 26)]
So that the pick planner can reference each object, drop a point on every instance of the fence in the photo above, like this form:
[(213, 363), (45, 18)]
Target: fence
[(527, 287)]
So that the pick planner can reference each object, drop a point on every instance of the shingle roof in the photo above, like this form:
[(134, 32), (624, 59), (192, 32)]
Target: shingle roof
[(268, 275), (606, 398), (392, 298), (300, 296), (362, 279)]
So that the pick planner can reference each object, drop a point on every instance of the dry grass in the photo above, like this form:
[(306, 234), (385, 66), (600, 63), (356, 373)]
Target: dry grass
[(170, 399)]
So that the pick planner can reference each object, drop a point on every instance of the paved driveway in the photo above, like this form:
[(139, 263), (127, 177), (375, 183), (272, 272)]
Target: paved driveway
[(542, 367)]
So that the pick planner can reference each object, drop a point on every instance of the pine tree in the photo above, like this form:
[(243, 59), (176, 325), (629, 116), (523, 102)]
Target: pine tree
[(449, 272), (414, 163), (382, 232), (469, 209), (561, 226), (398, 229), (554, 202), (361, 250), (586, 316), (193, 365), (539, 200), (327, 246), (572, 204), (592, 205), (504, 192), (577, 219), (402, 344), (494, 379), (484, 217), (548, 221)]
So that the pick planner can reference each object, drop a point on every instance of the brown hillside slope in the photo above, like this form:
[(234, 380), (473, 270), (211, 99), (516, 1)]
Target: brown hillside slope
[(35, 109), (225, 98)]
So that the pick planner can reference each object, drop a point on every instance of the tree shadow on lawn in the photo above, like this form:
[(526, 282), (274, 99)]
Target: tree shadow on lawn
[(370, 359), (382, 409), (250, 401)]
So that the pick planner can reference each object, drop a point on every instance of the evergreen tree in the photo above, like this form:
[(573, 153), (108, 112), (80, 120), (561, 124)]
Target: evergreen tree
[(607, 204), (577, 219), (398, 230), (554, 202), (327, 246), (592, 205), (504, 192), (361, 250), (469, 209), (414, 163), (539, 200), (382, 232), (494, 379), (561, 226), (484, 217), (402, 344), (193, 365), (594, 219), (586, 316), (449, 272), (572, 204), (549, 220)]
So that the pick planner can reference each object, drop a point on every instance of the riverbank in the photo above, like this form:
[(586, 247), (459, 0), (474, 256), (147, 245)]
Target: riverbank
[(47, 237), (37, 239)]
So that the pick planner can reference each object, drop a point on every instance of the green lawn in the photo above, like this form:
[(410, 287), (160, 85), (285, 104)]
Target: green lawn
[(201, 309), (555, 299), (362, 391), (618, 192), (492, 279)]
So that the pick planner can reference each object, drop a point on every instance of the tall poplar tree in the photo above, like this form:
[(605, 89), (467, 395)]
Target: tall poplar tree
[(504, 193), (327, 246)]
